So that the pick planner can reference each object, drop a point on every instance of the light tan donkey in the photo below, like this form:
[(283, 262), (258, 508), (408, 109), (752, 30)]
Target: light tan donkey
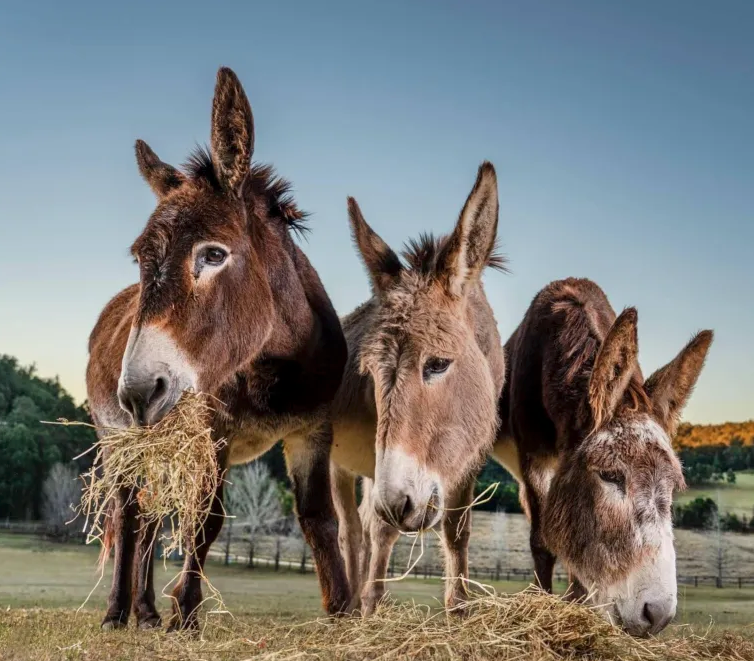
[(417, 409)]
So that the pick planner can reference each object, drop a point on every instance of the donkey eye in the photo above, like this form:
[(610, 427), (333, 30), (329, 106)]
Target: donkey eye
[(214, 256), (613, 478), (435, 366)]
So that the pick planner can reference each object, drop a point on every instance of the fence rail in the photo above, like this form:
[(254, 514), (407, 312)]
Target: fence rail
[(497, 574), (304, 564)]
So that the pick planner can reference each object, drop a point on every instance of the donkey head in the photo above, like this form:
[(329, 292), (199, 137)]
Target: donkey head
[(206, 305), (608, 512), (434, 393)]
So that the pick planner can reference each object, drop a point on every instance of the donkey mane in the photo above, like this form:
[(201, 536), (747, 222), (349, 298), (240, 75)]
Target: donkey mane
[(423, 254), (263, 183), (583, 333)]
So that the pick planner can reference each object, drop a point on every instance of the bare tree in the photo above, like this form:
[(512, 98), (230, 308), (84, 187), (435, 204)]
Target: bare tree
[(231, 507), (61, 494), (499, 534), (253, 498), (721, 559)]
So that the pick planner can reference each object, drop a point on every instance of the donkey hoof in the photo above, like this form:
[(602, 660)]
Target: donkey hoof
[(184, 625), (339, 606), (457, 604), (369, 604), (153, 622), (186, 630), (112, 624), (457, 609), (355, 605)]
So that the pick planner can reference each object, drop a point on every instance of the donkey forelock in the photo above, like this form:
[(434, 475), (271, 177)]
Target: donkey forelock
[(195, 210), (415, 309)]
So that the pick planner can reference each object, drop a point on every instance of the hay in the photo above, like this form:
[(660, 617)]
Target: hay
[(530, 625), (171, 468)]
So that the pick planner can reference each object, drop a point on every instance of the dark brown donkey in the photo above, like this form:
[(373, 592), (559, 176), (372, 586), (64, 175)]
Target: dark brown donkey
[(417, 410), (590, 442), (227, 304)]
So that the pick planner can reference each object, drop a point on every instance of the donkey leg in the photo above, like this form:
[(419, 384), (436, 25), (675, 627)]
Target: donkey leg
[(349, 528), (544, 561), (382, 539), (187, 595), (123, 524), (365, 552), (576, 591), (456, 528), (144, 607), (308, 460)]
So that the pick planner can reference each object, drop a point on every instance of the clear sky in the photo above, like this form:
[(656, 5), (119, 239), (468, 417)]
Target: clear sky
[(622, 134)]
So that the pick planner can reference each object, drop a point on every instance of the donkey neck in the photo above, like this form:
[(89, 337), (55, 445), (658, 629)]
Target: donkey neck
[(300, 366)]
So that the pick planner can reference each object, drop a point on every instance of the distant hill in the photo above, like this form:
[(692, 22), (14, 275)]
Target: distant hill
[(694, 436)]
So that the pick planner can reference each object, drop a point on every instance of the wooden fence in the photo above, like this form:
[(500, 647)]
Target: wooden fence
[(491, 574)]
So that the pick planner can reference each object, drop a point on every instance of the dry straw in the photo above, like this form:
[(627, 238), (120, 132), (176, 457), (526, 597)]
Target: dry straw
[(171, 468), (530, 625), (527, 626)]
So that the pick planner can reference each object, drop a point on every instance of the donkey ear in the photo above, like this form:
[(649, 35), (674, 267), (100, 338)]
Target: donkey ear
[(161, 177), (381, 262), (613, 367), (670, 387), (232, 137), (469, 247)]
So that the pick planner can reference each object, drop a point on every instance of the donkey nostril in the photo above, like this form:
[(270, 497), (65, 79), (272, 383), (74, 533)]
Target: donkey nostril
[(647, 613), (160, 388), (658, 615), (407, 507)]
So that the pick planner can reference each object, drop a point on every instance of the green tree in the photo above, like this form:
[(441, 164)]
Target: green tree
[(28, 447)]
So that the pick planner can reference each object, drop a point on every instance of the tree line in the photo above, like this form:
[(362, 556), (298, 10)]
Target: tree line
[(703, 513), (28, 448)]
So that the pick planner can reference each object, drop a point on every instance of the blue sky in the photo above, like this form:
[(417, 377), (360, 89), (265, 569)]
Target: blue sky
[(622, 134)]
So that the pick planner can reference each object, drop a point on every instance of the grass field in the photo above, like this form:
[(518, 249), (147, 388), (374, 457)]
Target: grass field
[(42, 585), (736, 498)]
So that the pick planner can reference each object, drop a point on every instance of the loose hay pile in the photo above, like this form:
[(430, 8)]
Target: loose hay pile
[(530, 625), (172, 467)]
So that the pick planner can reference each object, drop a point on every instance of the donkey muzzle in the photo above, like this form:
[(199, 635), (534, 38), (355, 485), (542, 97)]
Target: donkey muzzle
[(154, 374), (407, 496)]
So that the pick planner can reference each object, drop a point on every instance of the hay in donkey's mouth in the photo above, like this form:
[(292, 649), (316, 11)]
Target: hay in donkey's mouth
[(172, 468)]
